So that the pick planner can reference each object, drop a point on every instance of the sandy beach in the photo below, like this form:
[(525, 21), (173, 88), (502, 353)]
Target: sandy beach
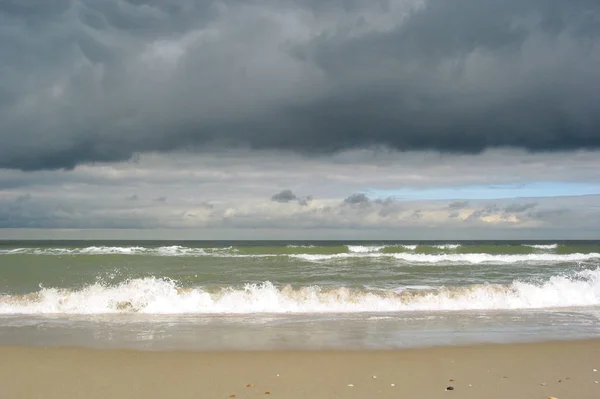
[(537, 370)]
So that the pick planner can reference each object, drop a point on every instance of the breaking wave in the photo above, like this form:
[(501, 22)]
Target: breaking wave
[(162, 296)]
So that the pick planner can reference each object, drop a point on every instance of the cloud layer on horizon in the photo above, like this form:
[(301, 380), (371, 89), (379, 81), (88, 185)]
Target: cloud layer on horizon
[(245, 191), (85, 81)]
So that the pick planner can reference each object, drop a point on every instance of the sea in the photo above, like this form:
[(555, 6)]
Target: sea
[(282, 295)]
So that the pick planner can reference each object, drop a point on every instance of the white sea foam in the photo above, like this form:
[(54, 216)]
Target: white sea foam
[(447, 246), (177, 250), (414, 288), (456, 258), (365, 249), (162, 296), (541, 246), (410, 247)]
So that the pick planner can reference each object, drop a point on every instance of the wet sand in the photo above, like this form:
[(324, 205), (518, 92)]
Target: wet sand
[(541, 370)]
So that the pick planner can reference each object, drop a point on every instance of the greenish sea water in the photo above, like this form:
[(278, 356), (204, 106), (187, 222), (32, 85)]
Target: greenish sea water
[(269, 295)]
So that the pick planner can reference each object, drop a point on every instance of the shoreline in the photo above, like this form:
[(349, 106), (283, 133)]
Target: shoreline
[(421, 347), (561, 369)]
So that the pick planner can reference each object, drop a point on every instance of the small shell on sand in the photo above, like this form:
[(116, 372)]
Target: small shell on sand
[(249, 385), (350, 385), (267, 393), (450, 389), (543, 384), (374, 377), (393, 385), (232, 395)]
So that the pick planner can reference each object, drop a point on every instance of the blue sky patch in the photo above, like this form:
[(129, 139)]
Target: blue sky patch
[(493, 191)]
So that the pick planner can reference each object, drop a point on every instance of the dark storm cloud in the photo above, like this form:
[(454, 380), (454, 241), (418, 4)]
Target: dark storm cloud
[(86, 81)]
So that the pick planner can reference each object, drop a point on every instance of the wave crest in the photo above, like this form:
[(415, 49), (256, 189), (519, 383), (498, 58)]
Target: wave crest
[(365, 249), (541, 246)]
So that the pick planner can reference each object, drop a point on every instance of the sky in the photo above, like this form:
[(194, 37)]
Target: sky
[(313, 119)]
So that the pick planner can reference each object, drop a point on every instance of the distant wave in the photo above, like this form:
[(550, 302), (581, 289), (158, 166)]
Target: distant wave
[(174, 250), (455, 258), (377, 248), (162, 296), (541, 246), (447, 246), (354, 252)]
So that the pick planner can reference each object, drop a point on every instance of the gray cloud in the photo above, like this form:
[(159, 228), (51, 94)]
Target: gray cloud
[(23, 198), (357, 199), (518, 208), (207, 205), (458, 205), (417, 214), (103, 81), (304, 201), (485, 211), (284, 196), (550, 214)]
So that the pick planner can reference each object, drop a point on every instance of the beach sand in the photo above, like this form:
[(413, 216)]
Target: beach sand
[(540, 370)]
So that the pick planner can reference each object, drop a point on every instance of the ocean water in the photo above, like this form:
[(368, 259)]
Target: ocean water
[(218, 295)]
